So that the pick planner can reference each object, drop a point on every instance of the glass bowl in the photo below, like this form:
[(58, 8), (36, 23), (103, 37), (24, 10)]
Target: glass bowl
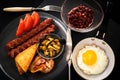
[(97, 14), (51, 46)]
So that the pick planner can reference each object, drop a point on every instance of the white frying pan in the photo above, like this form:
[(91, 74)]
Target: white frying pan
[(102, 44), (108, 50)]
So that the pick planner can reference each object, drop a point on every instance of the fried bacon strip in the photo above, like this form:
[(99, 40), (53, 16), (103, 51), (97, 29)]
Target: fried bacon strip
[(17, 41), (31, 41)]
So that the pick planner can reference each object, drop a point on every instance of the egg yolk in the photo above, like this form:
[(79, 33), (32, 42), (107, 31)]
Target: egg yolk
[(89, 57)]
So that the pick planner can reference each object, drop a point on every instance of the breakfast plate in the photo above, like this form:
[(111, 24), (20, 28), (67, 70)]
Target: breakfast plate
[(7, 64)]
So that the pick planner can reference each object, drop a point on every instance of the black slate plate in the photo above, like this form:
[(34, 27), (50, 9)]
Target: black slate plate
[(8, 65)]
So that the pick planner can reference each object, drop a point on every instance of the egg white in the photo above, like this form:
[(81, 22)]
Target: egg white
[(99, 66)]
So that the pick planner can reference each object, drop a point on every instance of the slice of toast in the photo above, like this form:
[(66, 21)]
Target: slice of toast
[(24, 59)]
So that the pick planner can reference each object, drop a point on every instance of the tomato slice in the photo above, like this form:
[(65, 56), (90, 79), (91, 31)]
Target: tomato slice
[(36, 18), (28, 22), (20, 28)]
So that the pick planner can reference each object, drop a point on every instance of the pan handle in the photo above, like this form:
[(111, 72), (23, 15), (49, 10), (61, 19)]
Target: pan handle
[(103, 28)]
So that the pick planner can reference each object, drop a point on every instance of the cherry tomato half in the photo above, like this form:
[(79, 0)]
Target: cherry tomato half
[(36, 18), (28, 22), (21, 27)]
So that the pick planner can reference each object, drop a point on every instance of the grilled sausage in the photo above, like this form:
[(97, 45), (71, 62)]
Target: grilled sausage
[(31, 41), (17, 41)]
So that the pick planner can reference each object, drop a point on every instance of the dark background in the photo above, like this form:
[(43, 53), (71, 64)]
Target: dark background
[(112, 37)]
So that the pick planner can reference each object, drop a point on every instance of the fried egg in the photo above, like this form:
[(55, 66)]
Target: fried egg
[(92, 59)]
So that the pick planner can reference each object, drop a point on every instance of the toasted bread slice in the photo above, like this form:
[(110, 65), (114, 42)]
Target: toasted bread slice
[(24, 59)]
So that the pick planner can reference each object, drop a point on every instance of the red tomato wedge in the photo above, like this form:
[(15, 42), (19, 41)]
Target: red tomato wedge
[(36, 18), (21, 27), (28, 22)]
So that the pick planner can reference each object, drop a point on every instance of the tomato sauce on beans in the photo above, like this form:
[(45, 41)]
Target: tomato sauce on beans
[(80, 16)]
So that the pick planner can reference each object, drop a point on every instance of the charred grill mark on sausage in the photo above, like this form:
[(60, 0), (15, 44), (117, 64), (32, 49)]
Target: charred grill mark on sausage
[(32, 40), (18, 41)]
